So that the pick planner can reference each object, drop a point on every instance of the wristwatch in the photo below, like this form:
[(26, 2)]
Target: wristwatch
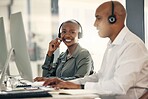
[(82, 86)]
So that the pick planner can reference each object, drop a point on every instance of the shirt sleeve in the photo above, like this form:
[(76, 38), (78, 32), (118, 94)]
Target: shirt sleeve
[(47, 65), (91, 78)]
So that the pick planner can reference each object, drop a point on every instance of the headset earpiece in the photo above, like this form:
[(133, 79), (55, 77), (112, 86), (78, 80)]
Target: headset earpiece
[(112, 18), (59, 34), (80, 35)]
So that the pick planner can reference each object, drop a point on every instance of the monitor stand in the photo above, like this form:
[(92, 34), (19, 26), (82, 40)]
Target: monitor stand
[(3, 83)]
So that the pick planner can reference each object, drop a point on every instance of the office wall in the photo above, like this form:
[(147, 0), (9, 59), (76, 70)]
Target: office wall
[(135, 17)]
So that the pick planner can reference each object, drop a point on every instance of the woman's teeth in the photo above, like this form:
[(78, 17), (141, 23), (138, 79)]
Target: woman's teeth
[(67, 40)]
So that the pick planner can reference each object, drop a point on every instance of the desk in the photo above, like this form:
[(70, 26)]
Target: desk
[(76, 96), (87, 96), (59, 94), (84, 95)]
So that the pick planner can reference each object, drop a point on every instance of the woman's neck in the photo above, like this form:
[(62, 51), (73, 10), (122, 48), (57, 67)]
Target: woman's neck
[(72, 48)]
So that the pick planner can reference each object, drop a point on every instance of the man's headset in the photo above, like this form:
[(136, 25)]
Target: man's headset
[(72, 21), (112, 18)]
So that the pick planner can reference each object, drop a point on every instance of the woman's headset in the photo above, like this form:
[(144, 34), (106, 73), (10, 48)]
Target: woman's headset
[(112, 17), (72, 21)]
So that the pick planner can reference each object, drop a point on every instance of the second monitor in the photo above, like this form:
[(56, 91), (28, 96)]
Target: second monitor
[(18, 42)]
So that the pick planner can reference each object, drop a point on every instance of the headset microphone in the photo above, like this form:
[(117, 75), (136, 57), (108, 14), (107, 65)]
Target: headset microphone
[(112, 18)]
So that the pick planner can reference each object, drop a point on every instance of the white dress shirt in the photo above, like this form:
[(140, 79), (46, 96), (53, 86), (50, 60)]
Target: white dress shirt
[(124, 66)]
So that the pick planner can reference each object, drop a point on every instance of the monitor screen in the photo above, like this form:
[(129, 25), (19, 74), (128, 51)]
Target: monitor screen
[(3, 54), (3, 45), (18, 42)]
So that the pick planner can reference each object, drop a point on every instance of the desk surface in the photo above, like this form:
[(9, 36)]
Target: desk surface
[(57, 94), (77, 95), (87, 96), (62, 94), (70, 94)]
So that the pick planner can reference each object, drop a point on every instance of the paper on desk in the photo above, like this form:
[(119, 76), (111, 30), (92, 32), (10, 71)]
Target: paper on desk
[(37, 84), (40, 86), (76, 92), (82, 91)]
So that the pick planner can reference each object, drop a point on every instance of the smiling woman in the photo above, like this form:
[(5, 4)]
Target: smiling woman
[(75, 62)]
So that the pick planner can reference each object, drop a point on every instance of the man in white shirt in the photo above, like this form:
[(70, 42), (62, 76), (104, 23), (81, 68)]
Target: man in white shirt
[(124, 70)]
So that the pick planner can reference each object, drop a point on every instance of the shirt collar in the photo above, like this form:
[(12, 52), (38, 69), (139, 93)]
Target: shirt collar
[(74, 54), (77, 50), (120, 37)]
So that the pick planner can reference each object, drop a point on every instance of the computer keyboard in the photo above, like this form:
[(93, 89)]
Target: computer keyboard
[(24, 94), (23, 86)]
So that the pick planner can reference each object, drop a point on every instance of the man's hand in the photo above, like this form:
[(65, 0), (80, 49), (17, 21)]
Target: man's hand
[(67, 85), (52, 81), (40, 79), (58, 83)]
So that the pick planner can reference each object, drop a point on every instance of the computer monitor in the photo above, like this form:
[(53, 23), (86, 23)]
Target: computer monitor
[(18, 42), (3, 54), (3, 45)]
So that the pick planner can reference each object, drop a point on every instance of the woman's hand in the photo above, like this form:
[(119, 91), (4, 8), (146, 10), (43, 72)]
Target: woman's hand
[(53, 45)]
